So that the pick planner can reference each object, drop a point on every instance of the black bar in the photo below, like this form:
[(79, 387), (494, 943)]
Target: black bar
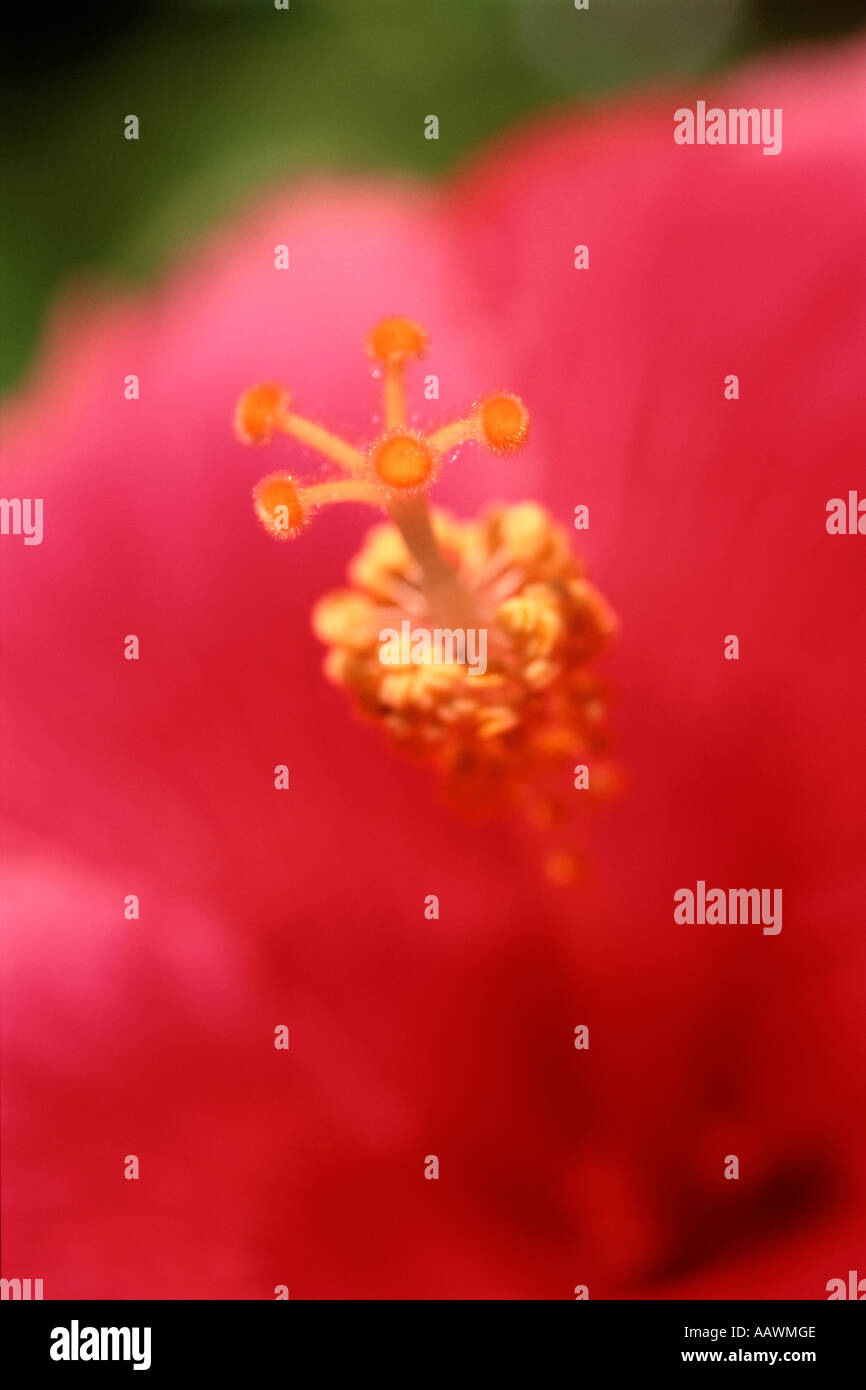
[(220, 1339)]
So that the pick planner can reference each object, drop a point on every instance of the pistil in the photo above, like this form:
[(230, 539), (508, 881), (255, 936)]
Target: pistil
[(448, 597), (508, 575), (330, 446)]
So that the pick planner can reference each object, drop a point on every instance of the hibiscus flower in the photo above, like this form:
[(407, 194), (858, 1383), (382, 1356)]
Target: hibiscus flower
[(414, 1036)]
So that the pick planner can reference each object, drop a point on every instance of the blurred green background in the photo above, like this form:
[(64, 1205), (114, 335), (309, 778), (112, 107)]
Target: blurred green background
[(236, 94)]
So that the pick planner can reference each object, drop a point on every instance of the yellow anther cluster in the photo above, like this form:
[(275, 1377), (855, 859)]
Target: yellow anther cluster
[(536, 701)]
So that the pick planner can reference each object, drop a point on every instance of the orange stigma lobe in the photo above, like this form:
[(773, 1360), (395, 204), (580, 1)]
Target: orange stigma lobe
[(399, 466), (503, 422), (396, 339), (258, 411), (403, 461), (278, 506)]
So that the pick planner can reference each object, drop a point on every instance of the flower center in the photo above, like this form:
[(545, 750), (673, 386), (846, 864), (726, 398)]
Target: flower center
[(506, 583)]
